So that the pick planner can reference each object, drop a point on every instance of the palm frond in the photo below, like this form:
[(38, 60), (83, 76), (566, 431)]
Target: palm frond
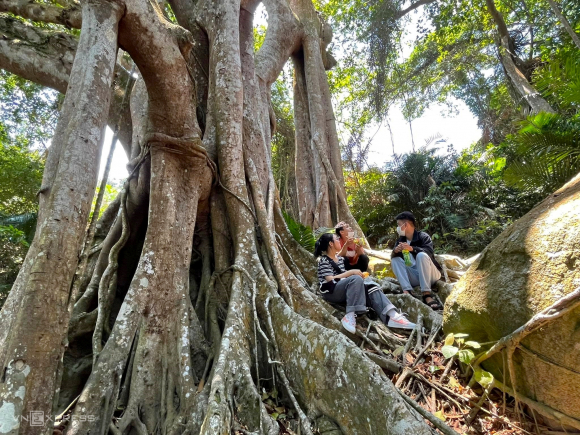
[(546, 152), (301, 233)]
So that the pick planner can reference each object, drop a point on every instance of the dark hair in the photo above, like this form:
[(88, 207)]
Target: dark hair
[(322, 244), (406, 216), (337, 230)]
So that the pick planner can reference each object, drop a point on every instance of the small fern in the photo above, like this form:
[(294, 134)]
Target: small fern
[(301, 233)]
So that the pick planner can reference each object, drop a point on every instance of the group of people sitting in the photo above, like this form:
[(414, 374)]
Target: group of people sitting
[(343, 264)]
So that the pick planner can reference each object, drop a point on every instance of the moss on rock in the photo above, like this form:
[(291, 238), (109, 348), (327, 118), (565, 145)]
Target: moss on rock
[(524, 270)]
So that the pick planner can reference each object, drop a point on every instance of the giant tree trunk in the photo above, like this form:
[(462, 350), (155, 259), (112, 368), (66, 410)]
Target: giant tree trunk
[(527, 92), (30, 352), (194, 306)]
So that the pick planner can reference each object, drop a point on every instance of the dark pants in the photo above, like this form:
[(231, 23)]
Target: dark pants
[(351, 291), (362, 264)]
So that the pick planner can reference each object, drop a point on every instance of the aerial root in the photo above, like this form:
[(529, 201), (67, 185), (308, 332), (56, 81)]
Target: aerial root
[(108, 284), (511, 342), (304, 421)]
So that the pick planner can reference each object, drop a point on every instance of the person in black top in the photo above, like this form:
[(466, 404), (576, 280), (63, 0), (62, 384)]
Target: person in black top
[(340, 286), (422, 269)]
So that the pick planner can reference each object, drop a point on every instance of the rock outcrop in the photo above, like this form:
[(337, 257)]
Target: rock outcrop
[(531, 265)]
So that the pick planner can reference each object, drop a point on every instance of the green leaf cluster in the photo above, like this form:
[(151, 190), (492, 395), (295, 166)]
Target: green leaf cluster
[(301, 233), (461, 200)]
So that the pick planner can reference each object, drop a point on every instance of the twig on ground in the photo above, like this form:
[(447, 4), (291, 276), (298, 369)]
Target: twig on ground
[(419, 334), (439, 424), (431, 338)]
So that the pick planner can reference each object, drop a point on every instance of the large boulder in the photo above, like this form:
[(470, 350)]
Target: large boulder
[(526, 269)]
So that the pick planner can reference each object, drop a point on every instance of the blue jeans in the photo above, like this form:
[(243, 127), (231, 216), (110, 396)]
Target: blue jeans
[(422, 272)]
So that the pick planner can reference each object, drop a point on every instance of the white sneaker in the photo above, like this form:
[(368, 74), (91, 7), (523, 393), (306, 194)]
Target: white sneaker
[(349, 322), (400, 321)]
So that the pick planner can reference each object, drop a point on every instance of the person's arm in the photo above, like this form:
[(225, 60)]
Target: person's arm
[(396, 252), (426, 245), (344, 248), (345, 274), (326, 271)]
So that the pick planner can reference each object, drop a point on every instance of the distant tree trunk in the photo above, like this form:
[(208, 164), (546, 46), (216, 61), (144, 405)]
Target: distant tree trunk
[(197, 290), (523, 87), (565, 23)]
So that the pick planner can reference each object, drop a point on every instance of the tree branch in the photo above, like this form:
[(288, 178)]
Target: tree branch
[(565, 23), (69, 17), (38, 55), (414, 6), (45, 57), (524, 88)]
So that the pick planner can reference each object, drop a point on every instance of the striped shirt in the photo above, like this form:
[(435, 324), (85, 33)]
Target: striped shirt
[(326, 269)]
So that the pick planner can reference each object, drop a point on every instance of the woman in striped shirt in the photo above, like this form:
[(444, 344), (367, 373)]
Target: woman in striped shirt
[(340, 286)]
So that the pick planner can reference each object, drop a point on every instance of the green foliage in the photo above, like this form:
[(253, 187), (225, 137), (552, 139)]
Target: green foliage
[(453, 55), (462, 200), (28, 115), (283, 145), (546, 152), (111, 192), (13, 248), (483, 377), (301, 233), (559, 80), (20, 176), (24, 223), (28, 112), (456, 346)]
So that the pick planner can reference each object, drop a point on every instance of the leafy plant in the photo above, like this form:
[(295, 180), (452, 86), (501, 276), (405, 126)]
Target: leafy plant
[(13, 248), (301, 233), (462, 201), (112, 190), (457, 347), (385, 273), (545, 152), (25, 223)]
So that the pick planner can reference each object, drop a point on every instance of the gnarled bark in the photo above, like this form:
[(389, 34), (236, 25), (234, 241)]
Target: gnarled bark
[(32, 351), (182, 342), (46, 13)]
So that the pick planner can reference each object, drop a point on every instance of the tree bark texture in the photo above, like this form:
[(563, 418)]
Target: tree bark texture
[(195, 296), (527, 92), (565, 23), (30, 353)]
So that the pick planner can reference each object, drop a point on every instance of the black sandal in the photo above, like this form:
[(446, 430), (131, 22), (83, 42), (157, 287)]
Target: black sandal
[(434, 304)]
